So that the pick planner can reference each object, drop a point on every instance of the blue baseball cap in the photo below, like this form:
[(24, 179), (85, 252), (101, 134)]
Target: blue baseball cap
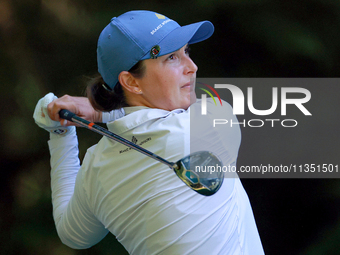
[(139, 35)]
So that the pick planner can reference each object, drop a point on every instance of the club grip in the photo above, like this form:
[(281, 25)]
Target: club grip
[(66, 114)]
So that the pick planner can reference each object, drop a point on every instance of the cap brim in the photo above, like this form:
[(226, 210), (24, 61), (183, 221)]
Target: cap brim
[(180, 36)]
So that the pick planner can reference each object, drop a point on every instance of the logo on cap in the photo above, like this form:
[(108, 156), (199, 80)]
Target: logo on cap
[(154, 52), (160, 16)]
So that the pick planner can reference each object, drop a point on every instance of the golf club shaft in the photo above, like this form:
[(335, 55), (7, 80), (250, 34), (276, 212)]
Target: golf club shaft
[(66, 114)]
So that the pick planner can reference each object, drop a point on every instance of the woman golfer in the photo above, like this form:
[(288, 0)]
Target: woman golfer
[(147, 94)]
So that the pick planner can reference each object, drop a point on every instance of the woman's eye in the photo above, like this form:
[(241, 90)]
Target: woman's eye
[(187, 50), (172, 56)]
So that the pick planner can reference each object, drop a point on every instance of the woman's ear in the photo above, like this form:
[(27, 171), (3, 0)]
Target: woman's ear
[(129, 82)]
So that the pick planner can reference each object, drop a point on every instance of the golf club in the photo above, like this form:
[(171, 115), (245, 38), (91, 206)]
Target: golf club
[(205, 182)]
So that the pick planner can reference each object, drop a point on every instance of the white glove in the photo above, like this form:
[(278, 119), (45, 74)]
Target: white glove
[(42, 119)]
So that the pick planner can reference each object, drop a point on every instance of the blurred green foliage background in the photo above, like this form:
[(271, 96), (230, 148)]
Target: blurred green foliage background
[(50, 45)]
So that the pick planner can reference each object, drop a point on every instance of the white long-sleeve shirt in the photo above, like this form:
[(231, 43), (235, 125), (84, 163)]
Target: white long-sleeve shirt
[(141, 201)]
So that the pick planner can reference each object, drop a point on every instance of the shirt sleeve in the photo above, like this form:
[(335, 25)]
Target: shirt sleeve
[(76, 225)]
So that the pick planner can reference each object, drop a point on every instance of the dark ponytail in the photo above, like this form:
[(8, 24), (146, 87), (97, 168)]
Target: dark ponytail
[(103, 99)]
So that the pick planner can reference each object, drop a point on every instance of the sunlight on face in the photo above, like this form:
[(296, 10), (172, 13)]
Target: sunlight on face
[(169, 81)]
